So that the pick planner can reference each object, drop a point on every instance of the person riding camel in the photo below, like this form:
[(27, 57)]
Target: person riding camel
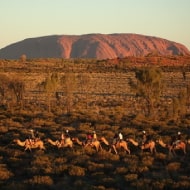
[(94, 136), (176, 139), (34, 136), (145, 138), (67, 135), (62, 138), (89, 138), (120, 137)]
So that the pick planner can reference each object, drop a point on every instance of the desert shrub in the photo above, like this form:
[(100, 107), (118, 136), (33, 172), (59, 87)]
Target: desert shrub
[(41, 163), (121, 170), (147, 161), (39, 121), (161, 157), (108, 168), (13, 124), (142, 184), (100, 187), (131, 177), (108, 181), (105, 155), (76, 171), (81, 159), (3, 129), (60, 168), (60, 160), (41, 180), (5, 174), (173, 166), (102, 127), (184, 184), (80, 184), (157, 185), (108, 133), (85, 127), (142, 169), (92, 166), (131, 163), (115, 128)]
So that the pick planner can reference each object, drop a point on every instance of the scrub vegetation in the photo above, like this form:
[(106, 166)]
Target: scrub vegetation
[(129, 95)]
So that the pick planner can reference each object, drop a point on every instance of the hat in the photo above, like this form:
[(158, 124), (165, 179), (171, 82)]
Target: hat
[(67, 131)]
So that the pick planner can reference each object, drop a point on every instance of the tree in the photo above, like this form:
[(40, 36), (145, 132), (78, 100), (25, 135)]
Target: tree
[(4, 83), (69, 83), (50, 86), (148, 86), (23, 57), (84, 81), (17, 86)]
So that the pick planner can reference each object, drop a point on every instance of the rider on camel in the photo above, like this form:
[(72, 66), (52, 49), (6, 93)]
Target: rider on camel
[(120, 136), (94, 136), (33, 137), (144, 137), (89, 138), (62, 138), (67, 135), (176, 140)]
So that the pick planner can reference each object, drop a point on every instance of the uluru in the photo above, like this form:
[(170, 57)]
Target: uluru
[(99, 46)]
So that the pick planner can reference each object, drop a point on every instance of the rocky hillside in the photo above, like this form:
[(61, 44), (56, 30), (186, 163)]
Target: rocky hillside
[(100, 46)]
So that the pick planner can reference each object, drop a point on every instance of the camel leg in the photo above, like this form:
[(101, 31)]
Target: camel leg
[(184, 151), (114, 148), (127, 150), (100, 147)]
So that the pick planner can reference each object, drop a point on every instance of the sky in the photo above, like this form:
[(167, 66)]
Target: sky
[(21, 19)]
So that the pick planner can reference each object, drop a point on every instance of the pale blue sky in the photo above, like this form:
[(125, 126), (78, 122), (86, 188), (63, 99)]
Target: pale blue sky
[(21, 19)]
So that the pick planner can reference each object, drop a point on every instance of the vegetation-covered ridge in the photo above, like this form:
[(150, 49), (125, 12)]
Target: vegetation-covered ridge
[(82, 95)]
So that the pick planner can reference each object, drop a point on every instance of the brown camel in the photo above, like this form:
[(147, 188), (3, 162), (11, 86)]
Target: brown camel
[(95, 144), (151, 145), (179, 146), (28, 145), (119, 145), (67, 143)]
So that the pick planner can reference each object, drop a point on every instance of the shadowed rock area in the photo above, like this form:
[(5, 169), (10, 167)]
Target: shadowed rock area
[(100, 46)]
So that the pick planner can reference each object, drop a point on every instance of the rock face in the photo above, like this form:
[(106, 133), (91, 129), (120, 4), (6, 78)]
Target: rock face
[(100, 46)]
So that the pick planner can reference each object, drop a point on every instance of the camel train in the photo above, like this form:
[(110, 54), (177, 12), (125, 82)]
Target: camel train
[(113, 147)]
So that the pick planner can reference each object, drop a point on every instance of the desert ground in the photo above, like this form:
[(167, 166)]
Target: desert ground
[(128, 95)]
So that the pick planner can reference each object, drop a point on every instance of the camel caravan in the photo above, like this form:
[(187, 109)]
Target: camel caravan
[(117, 144)]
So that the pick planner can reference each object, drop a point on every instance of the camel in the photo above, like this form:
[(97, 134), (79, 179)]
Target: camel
[(95, 144), (151, 145), (123, 144), (28, 146), (179, 146), (68, 143)]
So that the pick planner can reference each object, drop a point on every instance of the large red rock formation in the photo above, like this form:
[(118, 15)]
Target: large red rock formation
[(100, 46)]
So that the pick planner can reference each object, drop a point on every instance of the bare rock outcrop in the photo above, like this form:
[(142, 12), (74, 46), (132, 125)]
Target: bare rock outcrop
[(100, 46)]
